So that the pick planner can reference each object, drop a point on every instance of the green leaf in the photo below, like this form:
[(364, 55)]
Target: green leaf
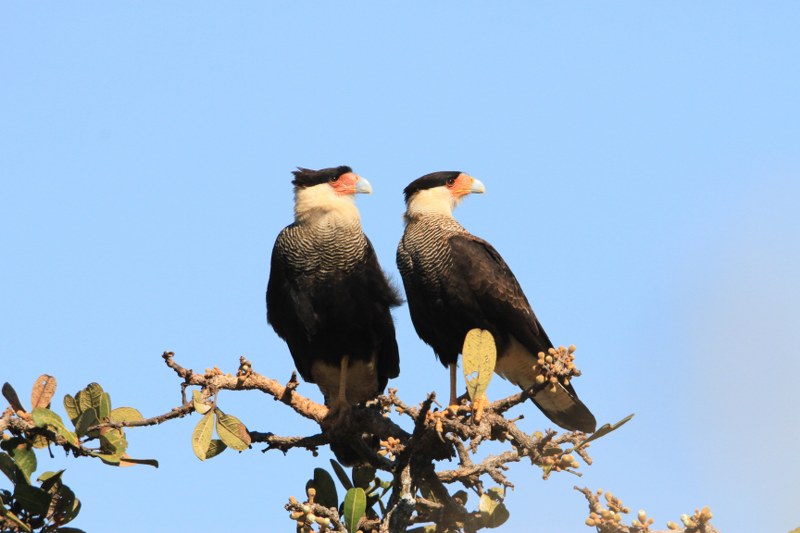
[(325, 487), (64, 501), (499, 516), (486, 505), (232, 432), (82, 400), (86, 419), (201, 436), (113, 441), (25, 458), (71, 406), (10, 468), (498, 494), (127, 460), (104, 406), (49, 480), (39, 441), (198, 403), (92, 397), (603, 430), (342, 475), (47, 418), (493, 513), (33, 499), (479, 358), (355, 505), (112, 459), (124, 414), (215, 448), (115, 459), (363, 476), (76, 509)]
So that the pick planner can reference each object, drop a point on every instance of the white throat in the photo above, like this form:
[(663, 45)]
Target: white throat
[(322, 202), (434, 201)]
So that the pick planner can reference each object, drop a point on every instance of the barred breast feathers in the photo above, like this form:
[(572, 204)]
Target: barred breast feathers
[(323, 244), (429, 224)]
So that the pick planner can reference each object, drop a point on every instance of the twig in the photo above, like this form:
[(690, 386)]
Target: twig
[(177, 412), (284, 444)]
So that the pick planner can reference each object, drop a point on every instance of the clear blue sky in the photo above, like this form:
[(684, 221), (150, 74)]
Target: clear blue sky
[(642, 165)]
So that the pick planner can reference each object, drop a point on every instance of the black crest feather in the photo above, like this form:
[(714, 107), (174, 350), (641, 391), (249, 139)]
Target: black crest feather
[(305, 177), (429, 181)]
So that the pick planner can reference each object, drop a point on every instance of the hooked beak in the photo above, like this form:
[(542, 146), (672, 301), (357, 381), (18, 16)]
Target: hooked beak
[(477, 187), (363, 186), (466, 184)]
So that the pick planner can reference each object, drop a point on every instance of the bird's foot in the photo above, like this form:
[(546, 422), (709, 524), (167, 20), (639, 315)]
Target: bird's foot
[(452, 409), (478, 406)]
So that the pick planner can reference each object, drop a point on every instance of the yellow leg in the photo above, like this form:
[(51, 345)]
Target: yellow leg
[(453, 395), (341, 399)]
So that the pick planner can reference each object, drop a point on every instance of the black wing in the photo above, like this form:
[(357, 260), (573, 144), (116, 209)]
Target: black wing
[(496, 291), (290, 310), (382, 298)]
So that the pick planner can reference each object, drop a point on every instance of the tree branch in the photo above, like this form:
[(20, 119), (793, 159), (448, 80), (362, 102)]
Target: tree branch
[(215, 380)]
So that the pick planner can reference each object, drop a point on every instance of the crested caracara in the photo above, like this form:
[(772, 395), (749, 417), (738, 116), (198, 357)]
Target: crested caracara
[(327, 296), (455, 282)]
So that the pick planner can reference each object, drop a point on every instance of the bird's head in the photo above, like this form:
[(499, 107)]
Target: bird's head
[(326, 190), (439, 192)]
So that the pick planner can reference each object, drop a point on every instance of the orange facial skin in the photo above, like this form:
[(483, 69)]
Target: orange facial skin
[(461, 186), (347, 183)]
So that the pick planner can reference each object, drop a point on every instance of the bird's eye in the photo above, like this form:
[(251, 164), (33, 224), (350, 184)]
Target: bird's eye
[(451, 182), (335, 178)]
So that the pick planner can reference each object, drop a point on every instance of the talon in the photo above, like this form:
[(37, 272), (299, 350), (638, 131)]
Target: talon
[(478, 406)]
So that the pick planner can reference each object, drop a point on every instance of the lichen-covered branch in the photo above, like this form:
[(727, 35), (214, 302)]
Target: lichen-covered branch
[(247, 379)]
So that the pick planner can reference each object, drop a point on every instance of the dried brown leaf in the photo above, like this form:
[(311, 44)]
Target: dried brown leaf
[(43, 391)]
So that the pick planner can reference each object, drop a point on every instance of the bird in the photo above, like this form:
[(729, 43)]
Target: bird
[(455, 282), (327, 295)]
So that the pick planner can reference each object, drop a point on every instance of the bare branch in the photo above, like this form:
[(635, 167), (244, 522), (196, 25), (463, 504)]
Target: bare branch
[(251, 380), (284, 444)]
